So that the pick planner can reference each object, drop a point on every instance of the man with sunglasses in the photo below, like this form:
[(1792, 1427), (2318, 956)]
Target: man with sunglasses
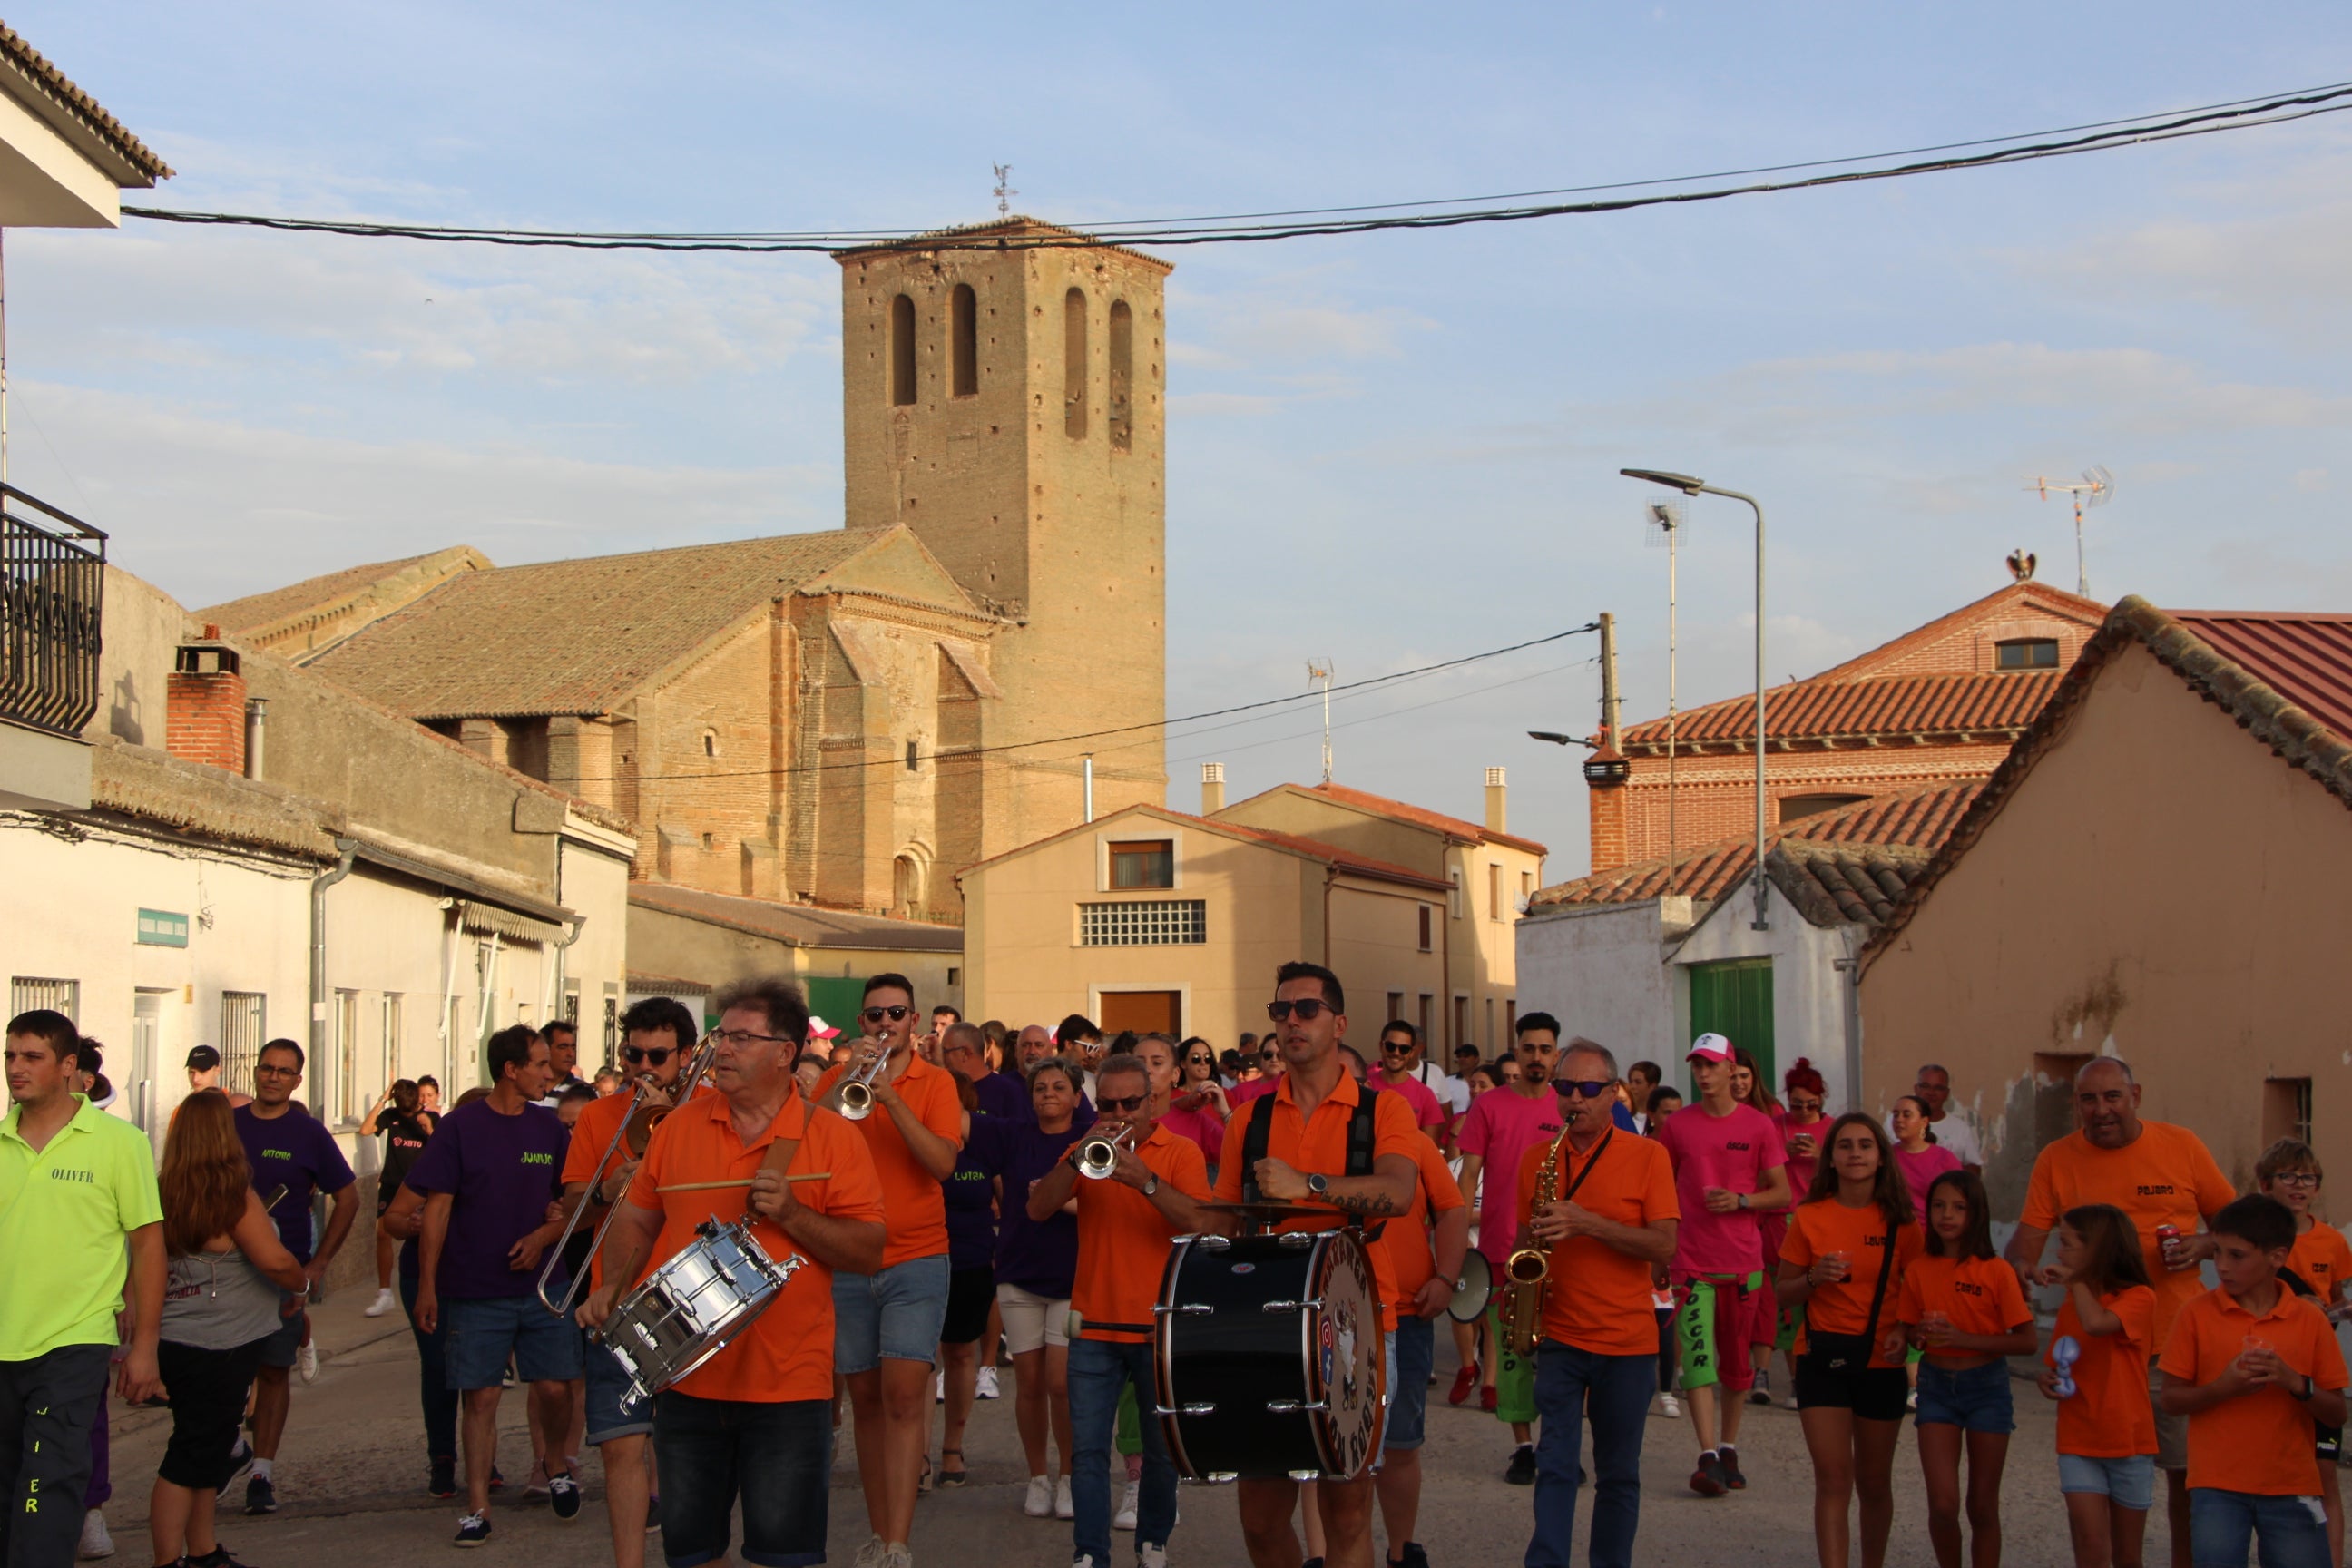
[(1124, 1224), (1612, 1220), (1402, 1070), (887, 1323), (659, 1034)]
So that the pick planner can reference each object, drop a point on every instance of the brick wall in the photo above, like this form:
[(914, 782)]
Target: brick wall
[(205, 705)]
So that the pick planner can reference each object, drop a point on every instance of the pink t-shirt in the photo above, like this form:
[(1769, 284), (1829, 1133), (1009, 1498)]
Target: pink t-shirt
[(1730, 1152), (1426, 1112), (1241, 1094), (1201, 1127), (1801, 1166), (1502, 1126), (1921, 1170)]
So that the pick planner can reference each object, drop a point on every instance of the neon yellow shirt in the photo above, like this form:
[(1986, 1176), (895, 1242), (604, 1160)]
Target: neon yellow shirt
[(65, 1212)]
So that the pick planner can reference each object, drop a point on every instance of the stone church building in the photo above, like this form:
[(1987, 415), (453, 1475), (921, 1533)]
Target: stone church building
[(846, 718)]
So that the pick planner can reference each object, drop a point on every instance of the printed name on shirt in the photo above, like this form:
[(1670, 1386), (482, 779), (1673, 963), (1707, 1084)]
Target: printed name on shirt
[(1738, 1147), (2155, 1190), (1966, 1289), (277, 1153), (531, 1159), (57, 1175)]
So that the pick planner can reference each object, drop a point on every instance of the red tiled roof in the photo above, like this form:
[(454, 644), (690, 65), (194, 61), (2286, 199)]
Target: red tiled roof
[(2307, 659), (1843, 884), (2017, 596), (30, 61), (1311, 848), (1823, 709), (1420, 816), (1921, 818)]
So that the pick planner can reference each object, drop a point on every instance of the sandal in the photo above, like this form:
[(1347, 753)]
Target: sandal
[(924, 1483), (956, 1477)]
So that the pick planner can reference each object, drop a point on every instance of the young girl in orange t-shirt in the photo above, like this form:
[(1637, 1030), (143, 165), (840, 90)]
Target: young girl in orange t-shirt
[(1963, 1307), (2106, 1428)]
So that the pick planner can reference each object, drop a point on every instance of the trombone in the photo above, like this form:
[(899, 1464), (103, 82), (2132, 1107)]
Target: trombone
[(857, 1088), (637, 1129), (1099, 1156)]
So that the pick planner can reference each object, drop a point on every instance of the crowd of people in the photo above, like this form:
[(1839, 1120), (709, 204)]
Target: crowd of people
[(951, 1197)]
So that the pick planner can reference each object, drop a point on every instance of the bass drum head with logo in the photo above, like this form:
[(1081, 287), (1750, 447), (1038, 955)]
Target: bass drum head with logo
[(1473, 1290), (1347, 1364)]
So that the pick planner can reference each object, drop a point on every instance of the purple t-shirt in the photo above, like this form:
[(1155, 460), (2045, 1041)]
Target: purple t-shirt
[(1004, 1097), (502, 1171), (1502, 1126), (1039, 1257), (1730, 1152), (295, 1153), (971, 1195)]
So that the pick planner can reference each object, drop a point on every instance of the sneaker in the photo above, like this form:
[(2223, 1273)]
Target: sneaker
[(1151, 1557), (1039, 1503), (1464, 1381), (897, 1554), (240, 1465), (870, 1554), (260, 1497), (1707, 1479), (384, 1301), (1911, 1400), (1789, 1403), (1062, 1507), (473, 1529), (1087, 1560), (1413, 1557), (563, 1496), (1728, 1458), (938, 1388), (95, 1541), (1762, 1392), (1670, 1407), (1125, 1518), (443, 1482), (306, 1361), (498, 1481), (985, 1383), (653, 1513), (1521, 1471), (217, 1557)]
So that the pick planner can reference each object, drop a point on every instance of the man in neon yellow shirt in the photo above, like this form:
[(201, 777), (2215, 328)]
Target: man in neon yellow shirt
[(75, 1186)]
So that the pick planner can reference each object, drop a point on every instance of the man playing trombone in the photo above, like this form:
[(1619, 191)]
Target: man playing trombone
[(753, 1423), (660, 1034), (1144, 1181)]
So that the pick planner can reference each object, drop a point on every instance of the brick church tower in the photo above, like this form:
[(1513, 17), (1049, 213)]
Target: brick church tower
[(1009, 404)]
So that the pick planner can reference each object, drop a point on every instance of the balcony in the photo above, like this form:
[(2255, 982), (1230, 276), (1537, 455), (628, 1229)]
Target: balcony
[(52, 588)]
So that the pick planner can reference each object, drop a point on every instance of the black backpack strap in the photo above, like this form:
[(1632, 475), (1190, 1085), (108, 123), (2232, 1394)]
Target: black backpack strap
[(1254, 1136), (1359, 1134)]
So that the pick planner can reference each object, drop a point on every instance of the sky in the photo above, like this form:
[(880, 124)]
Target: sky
[(1384, 451)]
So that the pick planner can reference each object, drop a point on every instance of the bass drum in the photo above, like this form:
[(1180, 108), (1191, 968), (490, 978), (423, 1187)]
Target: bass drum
[(1270, 1360)]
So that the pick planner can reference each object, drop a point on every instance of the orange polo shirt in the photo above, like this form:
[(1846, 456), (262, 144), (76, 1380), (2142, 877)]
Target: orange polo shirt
[(1319, 1144), (2165, 1175), (599, 1120), (1979, 1295), (2322, 1260), (1597, 1298), (787, 1353), (1411, 1260), (919, 1208), (2259, 1441), (2110, 1417), (1818, 1229), (1123, 1240)]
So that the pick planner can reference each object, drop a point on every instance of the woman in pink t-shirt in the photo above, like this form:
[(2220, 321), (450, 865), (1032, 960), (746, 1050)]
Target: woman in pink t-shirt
[(1920, 1160)]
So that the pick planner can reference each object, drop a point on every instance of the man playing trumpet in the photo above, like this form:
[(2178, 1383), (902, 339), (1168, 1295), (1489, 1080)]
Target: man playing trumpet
[(1145, 1180)]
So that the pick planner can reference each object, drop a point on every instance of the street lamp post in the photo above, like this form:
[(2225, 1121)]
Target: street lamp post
[(1691, 487)]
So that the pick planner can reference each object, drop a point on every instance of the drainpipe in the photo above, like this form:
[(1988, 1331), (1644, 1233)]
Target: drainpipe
[(256, 720), (1089, 786), (1851, 967), (562, 949), (347, 847)]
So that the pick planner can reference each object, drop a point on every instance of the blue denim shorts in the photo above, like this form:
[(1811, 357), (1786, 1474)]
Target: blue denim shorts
[(2128, 1483), (1976, 1399), (279, 1349), (483, 1330), (1412, 1350), (610, 1415), (896, 1314)]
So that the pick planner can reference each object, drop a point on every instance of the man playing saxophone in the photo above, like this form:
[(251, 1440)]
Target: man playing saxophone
[(1602, 1204)]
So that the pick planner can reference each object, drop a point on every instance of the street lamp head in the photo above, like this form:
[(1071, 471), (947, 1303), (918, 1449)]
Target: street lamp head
[(1556, 739), (1683, 482)]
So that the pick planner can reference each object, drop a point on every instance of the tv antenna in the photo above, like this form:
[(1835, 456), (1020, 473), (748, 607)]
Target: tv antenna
[(1004, 190), (2095, 488), (1662, 528), (1320, 669)]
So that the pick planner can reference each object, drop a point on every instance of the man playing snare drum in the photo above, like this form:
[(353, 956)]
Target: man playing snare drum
[(753, 1423)]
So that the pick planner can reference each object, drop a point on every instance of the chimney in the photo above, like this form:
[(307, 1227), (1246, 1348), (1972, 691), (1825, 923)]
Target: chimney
[(257, 719), (1213, 788), (204, 704), (1494, 816)]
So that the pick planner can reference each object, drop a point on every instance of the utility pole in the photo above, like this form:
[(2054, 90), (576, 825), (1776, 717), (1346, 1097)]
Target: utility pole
[(1320, 669), (1611, 705)]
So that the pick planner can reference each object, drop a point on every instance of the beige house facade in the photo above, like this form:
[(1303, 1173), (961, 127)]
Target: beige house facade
[(687, 943)]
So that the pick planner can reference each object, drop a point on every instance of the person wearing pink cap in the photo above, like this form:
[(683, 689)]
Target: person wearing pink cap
[(1730, 1169)]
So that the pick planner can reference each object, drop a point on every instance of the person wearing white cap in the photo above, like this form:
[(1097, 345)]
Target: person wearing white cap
[(1729, 1168)]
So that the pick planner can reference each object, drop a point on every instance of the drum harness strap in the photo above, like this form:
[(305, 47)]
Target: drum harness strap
[(1359, 1146)]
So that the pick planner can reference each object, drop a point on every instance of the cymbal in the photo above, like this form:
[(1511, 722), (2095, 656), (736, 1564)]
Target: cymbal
[(1274, 1212)]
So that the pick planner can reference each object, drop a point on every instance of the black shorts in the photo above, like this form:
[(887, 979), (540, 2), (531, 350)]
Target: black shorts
[(1873, 1393), (208, 1389), (971, 1293)]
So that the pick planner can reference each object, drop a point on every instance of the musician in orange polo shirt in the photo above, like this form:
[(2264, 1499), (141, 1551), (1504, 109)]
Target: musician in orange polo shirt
[(887, 1321), (1306, 1163), (1124, 1224), (753, 1423)]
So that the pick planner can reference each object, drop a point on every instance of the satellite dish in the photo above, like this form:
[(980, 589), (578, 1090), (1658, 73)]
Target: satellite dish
[(1661, 520)]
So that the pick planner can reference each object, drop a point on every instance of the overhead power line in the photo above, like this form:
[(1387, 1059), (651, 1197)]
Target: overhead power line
[(1308, 222)]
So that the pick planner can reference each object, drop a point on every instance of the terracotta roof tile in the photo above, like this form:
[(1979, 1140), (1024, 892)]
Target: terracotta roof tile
[(109, 129), (2017, 597), (1311, 848), (1823, 709), (2307, 659), (1421, 816), (238, 615), (1843, 884)]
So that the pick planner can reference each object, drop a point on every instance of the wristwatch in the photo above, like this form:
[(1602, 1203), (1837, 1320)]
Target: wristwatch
[(1743, 1200), (1317, 1185), (1150, 1185), (2309, 1388)]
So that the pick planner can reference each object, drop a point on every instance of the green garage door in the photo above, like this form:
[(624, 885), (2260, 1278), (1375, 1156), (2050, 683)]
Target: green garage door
[(1734, 999), (836, 999)]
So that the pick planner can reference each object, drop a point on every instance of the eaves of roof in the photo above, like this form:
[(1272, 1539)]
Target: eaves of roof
[(1460, 830), (2032, 594), (1315, 849), (796, 925), (1984, 706), (1003, 233), (52, 83)]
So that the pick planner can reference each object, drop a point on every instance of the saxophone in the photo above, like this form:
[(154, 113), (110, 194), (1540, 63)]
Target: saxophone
[(1529, 1267)]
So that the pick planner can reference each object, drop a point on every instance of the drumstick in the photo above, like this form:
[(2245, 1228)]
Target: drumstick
[(742, 1182)]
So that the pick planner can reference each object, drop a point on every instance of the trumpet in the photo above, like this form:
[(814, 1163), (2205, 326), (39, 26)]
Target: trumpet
[(1099, 1156), (857, 1088)]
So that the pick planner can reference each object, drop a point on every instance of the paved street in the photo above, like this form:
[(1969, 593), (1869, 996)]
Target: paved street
[(352, 1481)]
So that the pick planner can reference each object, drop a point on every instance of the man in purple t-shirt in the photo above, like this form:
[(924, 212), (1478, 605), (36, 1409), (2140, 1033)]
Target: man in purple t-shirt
[(1729, 1169), (1502, 1126), (487, 1176)]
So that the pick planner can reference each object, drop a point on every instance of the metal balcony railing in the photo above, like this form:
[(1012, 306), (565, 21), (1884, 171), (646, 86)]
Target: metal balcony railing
[(52, 588)]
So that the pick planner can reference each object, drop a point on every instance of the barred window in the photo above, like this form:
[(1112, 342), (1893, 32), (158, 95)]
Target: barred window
[(244, 1026), (1155, 922), (26, 992)]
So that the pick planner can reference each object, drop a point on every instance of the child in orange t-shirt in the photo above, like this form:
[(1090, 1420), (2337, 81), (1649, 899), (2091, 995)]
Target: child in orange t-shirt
[(2319, 1263), (1964, 1309), (2106, 1428), (2253, 1366)]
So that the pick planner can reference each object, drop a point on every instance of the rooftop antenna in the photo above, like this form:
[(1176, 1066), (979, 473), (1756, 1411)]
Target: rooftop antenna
[(1320, 669), (1662, 526), (1004, 190), (2094, 489)]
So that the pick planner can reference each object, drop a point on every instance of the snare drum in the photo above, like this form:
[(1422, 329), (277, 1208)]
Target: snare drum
[(1270, 1360), (684, 1312)]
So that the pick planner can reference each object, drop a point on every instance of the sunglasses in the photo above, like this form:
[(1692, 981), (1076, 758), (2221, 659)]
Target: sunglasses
[(1591, 1087), (1202, 1061), (658, 1055), (1396, 1048), (1123, 1106), (876, 1014), (1308, 1009)]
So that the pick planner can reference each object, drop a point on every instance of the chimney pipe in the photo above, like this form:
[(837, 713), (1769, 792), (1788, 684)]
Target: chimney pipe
[(257, 719), (1090, 785), (1213, 788), (1494, 803), (1611, 705)]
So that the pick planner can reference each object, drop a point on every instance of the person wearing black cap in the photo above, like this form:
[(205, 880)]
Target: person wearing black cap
[(205, 1072)]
